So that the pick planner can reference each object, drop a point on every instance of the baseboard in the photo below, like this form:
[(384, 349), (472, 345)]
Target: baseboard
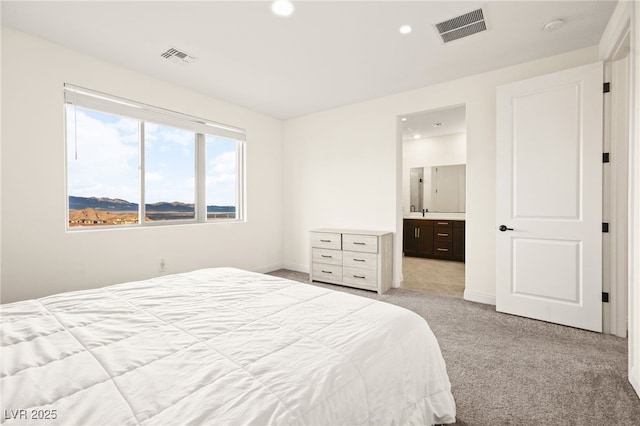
[(634, 379), (473, 296), (296, 267), (267, 268)]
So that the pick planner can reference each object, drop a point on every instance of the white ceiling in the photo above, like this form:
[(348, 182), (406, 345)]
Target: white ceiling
[(325, 55), (429, 124)]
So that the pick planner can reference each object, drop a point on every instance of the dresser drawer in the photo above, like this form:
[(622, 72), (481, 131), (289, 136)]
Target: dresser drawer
[(442, 250), (326, 256), (364, 278), (445, 223), (326, 240), (328, 273), (443, 234), (354, 259), (360, 243)]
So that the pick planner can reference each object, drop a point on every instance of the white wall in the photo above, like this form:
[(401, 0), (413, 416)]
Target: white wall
[(442, 150), (38, 256), (343, 166)]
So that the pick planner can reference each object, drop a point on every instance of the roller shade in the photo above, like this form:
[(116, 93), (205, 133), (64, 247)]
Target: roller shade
[(90, 99)]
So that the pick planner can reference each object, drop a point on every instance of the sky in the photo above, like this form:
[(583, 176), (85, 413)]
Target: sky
[(103, 160)]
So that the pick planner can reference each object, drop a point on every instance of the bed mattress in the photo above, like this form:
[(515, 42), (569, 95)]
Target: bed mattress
[(219, 346)]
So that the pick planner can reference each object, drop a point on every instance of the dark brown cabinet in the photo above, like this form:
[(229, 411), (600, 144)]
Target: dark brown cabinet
[(418, 238), (458, 240), (409, 238), (439, 239)]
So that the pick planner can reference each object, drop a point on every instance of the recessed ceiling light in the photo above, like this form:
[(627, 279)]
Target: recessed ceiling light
[(416, 136), (405, 29), (553, 25), (282, 7), (403, 119)]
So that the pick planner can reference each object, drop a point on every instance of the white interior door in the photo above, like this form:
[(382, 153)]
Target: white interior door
[(549, 198)]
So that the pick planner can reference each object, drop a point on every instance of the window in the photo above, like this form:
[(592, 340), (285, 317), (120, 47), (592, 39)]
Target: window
[(130, 164), (222, 177), (169, 183)]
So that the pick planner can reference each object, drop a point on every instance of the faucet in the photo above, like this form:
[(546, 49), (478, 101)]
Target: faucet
[(423, 210)]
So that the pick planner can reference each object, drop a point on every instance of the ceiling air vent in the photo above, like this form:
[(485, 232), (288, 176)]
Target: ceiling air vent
[(178, 56), (462, 26)]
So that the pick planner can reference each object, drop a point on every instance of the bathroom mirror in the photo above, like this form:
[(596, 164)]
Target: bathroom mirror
[(438, 188), (416, 189)]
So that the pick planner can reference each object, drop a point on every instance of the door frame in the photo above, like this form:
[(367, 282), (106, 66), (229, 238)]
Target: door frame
[(399, 277), (616, 186), (625, 18)]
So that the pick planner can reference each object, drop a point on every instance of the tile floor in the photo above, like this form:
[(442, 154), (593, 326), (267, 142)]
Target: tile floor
[(442, 277)]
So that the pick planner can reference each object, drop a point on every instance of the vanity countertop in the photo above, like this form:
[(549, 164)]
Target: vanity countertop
[(436, 216)]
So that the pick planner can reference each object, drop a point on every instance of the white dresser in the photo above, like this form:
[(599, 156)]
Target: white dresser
[(354, 258)]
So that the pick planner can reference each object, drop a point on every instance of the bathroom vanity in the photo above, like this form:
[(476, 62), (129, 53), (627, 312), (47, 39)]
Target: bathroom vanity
[(435, 235)]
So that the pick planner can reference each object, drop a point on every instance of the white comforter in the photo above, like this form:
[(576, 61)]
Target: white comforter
[(219, 346)]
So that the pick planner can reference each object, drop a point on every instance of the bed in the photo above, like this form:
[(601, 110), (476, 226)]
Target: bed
[(219, 346)]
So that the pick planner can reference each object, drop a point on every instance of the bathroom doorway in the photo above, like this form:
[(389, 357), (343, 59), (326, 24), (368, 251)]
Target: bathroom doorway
[(434, 157)]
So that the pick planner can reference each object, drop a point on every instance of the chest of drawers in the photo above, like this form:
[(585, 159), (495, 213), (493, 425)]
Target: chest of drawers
[(354, 258)]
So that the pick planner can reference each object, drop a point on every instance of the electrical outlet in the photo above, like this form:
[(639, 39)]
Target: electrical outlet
[(163, 265)]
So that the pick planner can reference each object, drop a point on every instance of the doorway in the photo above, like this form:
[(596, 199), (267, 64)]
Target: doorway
[(434, 157)]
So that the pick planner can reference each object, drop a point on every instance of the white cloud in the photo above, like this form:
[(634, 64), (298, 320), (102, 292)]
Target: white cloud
[(223, 163), (153, 177), (154, 133), (107, 163), (221, 179)]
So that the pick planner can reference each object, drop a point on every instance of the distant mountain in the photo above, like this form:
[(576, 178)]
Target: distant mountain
[(212, 209), (118, 205), (104, 204), (169, 207)]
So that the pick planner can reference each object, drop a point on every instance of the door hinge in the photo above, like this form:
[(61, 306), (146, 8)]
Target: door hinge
[(605, 297), (605, 227), (606, 87), (605, 157)]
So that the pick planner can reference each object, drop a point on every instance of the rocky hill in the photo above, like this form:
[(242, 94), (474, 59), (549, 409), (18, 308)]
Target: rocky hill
[(103, 204), (90, 216)]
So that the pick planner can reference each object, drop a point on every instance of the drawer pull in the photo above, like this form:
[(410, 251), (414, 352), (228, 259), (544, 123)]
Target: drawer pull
[(327, 256), (441, 249), (359, 260), (442, 235), (443, 223), (327, 272), (325, 241), (360, 244), (359, 276)]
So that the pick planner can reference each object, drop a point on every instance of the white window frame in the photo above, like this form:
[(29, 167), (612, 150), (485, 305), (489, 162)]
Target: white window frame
[(101, 102)]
